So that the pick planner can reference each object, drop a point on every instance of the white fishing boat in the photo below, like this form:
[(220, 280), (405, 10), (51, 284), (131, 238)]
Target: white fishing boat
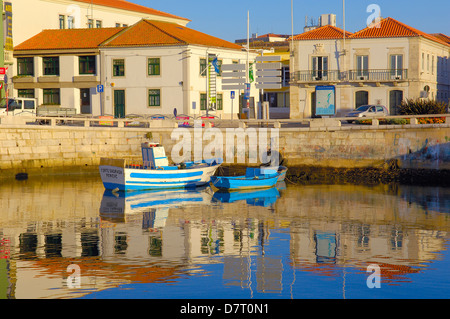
[(155, 172)]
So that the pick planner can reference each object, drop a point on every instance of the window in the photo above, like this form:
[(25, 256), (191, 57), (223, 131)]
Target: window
[(62, 21), (117, 25), (51, 96), (125, 25), (428, 63), (203, 67), (25, 66), (423, 61), (203, 101), (119, 67), (26, 93), (396, 66), (98, 24), (90, 23), (219, 101), (70, 22), (154, 66), (154, 97), (51, 65), (320, 67), (87, 64), (362, 66), (432, 64)]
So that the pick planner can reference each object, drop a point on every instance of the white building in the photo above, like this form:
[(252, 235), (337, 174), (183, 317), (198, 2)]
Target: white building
[(30, 17), (151, 67), (382, 64)]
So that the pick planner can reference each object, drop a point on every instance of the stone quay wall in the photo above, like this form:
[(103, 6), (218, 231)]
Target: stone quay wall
[(38, 150)]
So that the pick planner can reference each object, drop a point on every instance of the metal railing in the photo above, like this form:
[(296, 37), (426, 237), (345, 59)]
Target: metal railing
[(166, 122), (385, 75)]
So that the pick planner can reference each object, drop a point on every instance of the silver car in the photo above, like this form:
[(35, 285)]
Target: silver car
[(368, 111)]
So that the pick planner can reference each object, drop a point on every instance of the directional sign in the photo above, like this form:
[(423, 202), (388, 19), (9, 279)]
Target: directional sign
[(268, 72), (233, 76)]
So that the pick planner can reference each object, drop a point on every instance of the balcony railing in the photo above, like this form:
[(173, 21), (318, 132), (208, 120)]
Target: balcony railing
[(378, 75), (388, 75), (313, 76)]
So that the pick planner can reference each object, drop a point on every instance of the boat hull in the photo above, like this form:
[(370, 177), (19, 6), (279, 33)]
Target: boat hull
[(242, 183), (130, 179)]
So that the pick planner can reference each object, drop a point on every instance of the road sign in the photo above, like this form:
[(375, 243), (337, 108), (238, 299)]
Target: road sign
[(233, 76), (2, 70), (233, 95), (100, 88), (268, 72)]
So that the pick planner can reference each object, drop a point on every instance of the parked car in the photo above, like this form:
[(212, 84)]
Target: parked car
[(18, 106), (368, 111)]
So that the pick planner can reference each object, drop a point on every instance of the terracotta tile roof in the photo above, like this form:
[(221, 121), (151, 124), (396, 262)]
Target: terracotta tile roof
[(158, 33), (390, 28), (68, 39), (125, 5), (323, 33), (441, 37)]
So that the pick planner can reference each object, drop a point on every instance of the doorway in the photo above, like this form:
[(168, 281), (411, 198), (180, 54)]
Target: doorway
[(395, 99), (361, 98), (85, 97), (119, 103)]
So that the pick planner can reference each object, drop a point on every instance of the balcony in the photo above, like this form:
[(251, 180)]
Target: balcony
[(378, 75), (316, 76), (359, 76)]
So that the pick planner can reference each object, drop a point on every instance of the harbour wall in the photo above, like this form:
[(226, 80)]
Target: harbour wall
[(39, 150)]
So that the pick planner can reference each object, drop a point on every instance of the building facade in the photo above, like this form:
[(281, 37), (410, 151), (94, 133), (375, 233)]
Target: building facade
[(149, 68), (24, 22), (382, 64)]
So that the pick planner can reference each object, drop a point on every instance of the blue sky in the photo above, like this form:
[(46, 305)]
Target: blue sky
[(228, 19)]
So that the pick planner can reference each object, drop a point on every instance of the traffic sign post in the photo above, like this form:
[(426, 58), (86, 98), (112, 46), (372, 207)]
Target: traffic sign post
[(268, 76)]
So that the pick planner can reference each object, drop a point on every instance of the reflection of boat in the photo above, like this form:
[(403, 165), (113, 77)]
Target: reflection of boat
[(115, 205), (253, 178), (261, 197), (155, 173)]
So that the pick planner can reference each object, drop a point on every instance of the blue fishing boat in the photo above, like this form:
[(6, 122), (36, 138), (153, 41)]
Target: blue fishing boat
[(282, 170), (155, 172), (253, 178)]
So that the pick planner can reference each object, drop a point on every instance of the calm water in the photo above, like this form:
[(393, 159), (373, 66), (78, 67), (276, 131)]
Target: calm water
[(292, 242)]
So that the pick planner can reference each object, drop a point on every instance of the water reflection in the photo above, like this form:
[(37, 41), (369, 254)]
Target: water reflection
[(268, 242)]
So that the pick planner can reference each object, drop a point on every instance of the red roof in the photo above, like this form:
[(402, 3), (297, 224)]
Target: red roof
[(390, 28), (143, 33), (158, 33), (323, 33), (68, 39), (441, 37), (125, 5)]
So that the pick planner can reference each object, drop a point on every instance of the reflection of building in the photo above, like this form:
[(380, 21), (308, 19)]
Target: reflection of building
[(382, 64), (307, 230)]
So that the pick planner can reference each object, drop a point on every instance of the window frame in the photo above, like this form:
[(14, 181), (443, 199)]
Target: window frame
[(26, 93), (114, 66), (52, 92), (62, 22), (27, 64), (155, 67), (154, 97), (83, 60), (53, 66)]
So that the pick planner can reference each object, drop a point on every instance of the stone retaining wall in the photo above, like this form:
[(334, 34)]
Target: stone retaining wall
[(63, 149)]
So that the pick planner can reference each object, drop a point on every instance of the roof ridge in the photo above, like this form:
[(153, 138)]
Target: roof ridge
[(164, 31)]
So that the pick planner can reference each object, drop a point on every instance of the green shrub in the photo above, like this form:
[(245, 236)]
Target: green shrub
[(422, 106)]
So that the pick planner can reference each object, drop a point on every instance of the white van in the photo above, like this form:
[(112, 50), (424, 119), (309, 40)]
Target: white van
[(19, 106)]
